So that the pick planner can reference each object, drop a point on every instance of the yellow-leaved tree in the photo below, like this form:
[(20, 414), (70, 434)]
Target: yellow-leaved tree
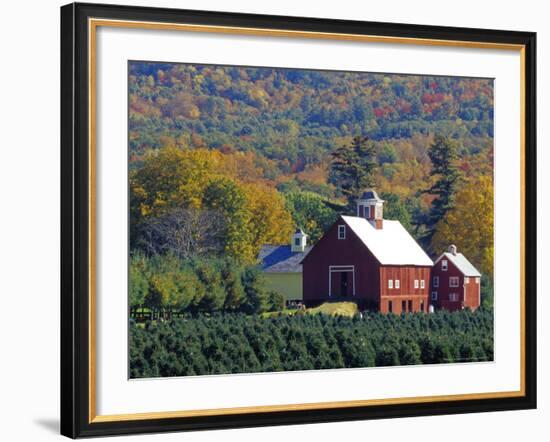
[(469, 225), (171, 177), (244, 214), (271, 223)]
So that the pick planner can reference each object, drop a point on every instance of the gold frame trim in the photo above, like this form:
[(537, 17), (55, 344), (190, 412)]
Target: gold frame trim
[(93, 24)]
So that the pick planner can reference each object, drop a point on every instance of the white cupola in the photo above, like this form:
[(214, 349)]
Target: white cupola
[(298, 241), (371, 207)]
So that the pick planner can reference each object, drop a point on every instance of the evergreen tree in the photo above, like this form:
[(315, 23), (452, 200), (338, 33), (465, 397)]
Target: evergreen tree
[(187, 289), (310, 212), (255, 293), (138, 282), (213, 297), (443, 352), (487, 294), (275, 301), (443, 154), (352, 169), (156, 295), (395, 209), (387, 356), (234, 291), (409, 353), (237, 343), (427, 347)]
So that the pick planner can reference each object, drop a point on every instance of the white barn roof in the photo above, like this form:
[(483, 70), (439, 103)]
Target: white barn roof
[(461, 263), (391, 245)]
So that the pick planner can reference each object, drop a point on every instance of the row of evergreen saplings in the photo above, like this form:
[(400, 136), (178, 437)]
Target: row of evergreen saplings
[(164, 287), (218, 344)]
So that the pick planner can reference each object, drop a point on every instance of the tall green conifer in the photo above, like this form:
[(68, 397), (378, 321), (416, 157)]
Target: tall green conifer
[(352, 169), (444, 155)]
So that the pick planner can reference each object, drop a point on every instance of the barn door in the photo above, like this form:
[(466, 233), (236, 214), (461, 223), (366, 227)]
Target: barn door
[(344, 283), (341, 281)]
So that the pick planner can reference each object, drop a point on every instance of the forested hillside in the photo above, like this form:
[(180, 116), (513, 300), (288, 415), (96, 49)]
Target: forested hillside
[(225, 159), (292, 119)]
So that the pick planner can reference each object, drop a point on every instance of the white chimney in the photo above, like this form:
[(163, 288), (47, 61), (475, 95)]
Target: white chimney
[(452, 249), (298, 241)]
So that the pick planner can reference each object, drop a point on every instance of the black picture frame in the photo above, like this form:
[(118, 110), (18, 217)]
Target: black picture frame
[(75, 221)]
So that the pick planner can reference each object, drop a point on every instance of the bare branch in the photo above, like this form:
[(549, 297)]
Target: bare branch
[(186, 232)]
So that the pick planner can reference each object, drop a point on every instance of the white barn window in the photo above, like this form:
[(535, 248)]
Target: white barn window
[(453, 297), (434, 296), (444, 265), (390, 283), (422, 284), (416, 283), (342, 232), (397, 283), (453, 281)]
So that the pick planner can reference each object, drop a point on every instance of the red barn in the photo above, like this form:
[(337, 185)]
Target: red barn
[(368, 260), (456, 283)]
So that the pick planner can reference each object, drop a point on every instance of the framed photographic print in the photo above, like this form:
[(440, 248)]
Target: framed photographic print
[(274, 220)]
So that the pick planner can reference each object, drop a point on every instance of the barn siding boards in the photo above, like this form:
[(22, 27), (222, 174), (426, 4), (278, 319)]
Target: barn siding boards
[(473, 293), (468, 294), (406, 291), (386, 270), (419, 304), (331, 251), (371, 286), (406, 275)]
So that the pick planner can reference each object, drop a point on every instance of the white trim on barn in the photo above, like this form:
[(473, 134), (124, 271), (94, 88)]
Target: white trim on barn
[(339, 269), (342, 231)]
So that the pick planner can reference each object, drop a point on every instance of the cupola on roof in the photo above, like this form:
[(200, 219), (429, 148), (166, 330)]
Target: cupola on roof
[(370, 194)]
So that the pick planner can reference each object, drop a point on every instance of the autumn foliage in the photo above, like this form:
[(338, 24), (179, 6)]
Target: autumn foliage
[(469, 225), (170, 178), (241, 156), (225, 159)]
